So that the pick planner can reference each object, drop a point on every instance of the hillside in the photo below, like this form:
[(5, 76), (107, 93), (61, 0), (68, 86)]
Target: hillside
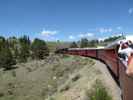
[(77, 90), (56, 77)]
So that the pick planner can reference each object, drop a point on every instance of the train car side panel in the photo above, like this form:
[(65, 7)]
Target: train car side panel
[(109, 56), (91, 53), (126, 82), (84, 52)]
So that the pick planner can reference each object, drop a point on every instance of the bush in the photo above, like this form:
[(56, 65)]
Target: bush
[(65, 88), (76, 77), (6, 59), (99, 92)]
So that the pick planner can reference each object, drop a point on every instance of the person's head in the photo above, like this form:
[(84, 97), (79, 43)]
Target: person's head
[(124, 46)]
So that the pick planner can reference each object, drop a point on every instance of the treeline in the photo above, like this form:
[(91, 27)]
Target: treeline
[(84, 42), (16, 50)]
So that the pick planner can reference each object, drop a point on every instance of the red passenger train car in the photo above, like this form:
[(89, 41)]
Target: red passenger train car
[(109, 56)]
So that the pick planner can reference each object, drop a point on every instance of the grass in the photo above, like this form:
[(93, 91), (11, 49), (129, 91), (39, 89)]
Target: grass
[(36, 80), (98, 92)]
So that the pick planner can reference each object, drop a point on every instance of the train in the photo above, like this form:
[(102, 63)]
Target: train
[(109, 56)]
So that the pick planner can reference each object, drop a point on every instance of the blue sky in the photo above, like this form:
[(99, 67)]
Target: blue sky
[(66, 20)]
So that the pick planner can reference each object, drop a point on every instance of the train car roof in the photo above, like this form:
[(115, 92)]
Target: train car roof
[(83, 48)]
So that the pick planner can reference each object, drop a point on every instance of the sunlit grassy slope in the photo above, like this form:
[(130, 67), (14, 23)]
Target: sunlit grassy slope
[(37, 80)]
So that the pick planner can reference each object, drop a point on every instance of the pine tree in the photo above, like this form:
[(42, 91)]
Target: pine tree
[(2, 42), (73, 45), (39, 49), (24, 48), (93, 43), (84, 43)]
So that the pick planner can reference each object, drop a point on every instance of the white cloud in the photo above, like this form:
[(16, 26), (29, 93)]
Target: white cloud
[(130, 11), (71, 37), (105, 30), (48, 32), (119, 28), (86, 35), (81, 35), (90, 34)]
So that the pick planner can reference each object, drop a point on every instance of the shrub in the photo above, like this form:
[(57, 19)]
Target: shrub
[(2, 94), (65, 88), (6, 59), (98, 92), (76, 77)]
